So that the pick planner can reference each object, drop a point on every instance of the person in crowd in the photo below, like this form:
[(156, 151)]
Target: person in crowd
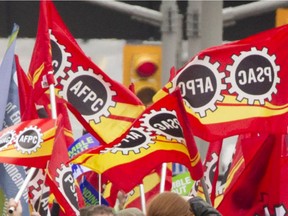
[(121, 200), (171, 204), (130, 212), (202, 208), (18, 208), (168, 204), (97, 210)]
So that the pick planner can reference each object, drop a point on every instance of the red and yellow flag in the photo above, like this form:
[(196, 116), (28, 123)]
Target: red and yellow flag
[(237, 87), (29, 143), (104, 107), (161, 134)]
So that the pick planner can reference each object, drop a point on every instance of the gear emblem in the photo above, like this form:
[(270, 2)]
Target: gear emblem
[(253, 76), (201, 85), (164, 122), (59, 57), (136, 139), (208, 175), (6, 139), (66, 185), (29, 140), (88, 93)]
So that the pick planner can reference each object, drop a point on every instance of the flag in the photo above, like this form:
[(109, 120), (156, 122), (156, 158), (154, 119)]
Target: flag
[(239, 87), (6, 71), (60, 178), (211, 173), (27, 106), (161, 134), (87, 141), (27, 142), (103, 106), (38, 191), (12, 176), (260, 189), (90, 194), (40, 68)]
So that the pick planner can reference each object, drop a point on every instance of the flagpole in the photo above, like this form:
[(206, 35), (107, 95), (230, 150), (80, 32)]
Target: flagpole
[(205, 190), (52, 98), (23, 187), (142, 194), (163, 177), (99, 188)]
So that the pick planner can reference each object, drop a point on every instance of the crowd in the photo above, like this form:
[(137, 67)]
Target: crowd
[(163, 204)]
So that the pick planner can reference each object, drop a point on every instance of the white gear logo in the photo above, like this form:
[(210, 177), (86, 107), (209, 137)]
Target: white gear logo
[(164, 122), (61, 61), (201, 85), (89, 93), (136, 139), (29, 140), (210, 168), (66, 184), (7, 139), (252, 86)]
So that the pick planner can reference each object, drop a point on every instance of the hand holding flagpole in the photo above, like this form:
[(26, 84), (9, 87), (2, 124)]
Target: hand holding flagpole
[(21, 191)]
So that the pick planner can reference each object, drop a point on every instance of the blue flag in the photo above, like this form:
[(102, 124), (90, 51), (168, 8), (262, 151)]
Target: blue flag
[(12, 177), (87, 141), (6, 72), (90, 194)]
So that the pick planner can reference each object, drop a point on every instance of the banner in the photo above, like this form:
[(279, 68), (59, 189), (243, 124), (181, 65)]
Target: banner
[(239, 87)]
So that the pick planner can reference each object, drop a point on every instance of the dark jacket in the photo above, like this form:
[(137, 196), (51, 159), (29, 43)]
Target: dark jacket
[(202, 208)]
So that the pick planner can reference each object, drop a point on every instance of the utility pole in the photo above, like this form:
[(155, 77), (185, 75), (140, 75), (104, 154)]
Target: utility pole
[(171, 29), (204, 25), (204, 29)]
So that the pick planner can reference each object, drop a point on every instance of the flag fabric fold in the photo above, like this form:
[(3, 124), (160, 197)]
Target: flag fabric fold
[(259, 189)]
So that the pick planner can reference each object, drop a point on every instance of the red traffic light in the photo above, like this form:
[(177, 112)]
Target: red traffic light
[(146, 69)]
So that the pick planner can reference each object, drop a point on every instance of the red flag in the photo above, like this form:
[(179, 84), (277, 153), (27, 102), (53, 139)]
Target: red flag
[(159, 135), (238, 87), (40, 69), (211, 172), (29, 141), (103, 106), (259, 188), (27, 107), (60, 177), (151, 184)]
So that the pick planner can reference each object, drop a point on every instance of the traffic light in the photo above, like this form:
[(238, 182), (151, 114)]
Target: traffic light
[(142, 67), (281, 17)]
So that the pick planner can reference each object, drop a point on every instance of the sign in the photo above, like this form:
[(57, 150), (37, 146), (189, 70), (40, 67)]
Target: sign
[(182, 184)]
